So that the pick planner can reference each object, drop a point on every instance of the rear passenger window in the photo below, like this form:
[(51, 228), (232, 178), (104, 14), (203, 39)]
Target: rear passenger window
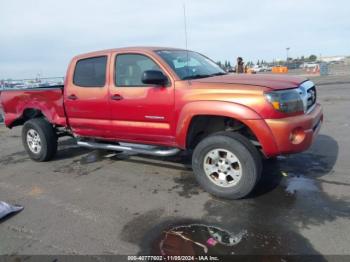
[(91, 72)]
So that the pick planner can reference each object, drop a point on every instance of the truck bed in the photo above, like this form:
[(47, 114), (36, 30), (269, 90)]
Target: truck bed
[(16, 103)]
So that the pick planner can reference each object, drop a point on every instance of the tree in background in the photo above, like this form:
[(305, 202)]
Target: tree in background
[(226, 64), (312, 58), (250, 64)]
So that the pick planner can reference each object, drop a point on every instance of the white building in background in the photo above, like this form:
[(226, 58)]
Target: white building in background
[(329, 59)]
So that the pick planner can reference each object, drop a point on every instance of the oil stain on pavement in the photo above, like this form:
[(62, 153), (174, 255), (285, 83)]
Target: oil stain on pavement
[(186, 185), (14, 158)]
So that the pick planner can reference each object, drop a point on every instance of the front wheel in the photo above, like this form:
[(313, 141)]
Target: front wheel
[(226, 165), (39, 139)]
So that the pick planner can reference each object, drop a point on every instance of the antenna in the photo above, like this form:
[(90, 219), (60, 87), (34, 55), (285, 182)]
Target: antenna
[(185, 24)]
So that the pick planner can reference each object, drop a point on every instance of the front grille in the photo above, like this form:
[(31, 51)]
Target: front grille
[(311, 97)]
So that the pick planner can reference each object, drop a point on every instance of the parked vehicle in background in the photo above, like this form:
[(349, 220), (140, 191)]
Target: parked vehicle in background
[(231, 69), (160, 101), (268, 68), (308, 65), (260, 68), (31, 83), (256, 69)]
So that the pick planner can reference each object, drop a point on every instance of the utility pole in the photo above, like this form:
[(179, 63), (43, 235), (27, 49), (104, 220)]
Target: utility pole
[(287, 51)]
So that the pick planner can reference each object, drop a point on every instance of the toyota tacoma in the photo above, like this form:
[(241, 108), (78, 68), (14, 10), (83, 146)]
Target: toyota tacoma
[(160, 101)]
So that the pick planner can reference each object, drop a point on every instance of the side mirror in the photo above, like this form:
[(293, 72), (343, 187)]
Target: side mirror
[(154, 77)]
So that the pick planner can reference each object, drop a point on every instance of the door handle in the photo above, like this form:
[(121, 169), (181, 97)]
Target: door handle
[(72, 97), (116, 97)]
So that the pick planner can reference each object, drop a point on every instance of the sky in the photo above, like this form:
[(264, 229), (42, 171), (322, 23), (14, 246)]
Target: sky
[(40, 37)]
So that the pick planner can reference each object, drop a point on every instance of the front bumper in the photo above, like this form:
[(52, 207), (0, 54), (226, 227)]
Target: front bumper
[(296, 134)]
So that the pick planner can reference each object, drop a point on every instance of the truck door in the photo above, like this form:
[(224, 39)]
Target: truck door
[(140, 112), (86, 97)]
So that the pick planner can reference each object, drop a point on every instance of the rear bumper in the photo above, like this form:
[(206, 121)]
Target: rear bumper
[(295, 134)]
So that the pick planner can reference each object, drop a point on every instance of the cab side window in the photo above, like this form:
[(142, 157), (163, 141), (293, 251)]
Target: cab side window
[(129, 69), (90, 72)]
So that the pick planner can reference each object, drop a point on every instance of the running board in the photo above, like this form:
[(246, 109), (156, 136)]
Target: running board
[(137, 148)]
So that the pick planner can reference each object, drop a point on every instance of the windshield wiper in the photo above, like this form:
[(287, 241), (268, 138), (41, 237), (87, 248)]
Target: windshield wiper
[(195, 76), (203, 75), (218, 74)]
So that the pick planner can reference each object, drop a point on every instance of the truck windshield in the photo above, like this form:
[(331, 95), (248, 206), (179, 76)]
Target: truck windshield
[(189, 64)]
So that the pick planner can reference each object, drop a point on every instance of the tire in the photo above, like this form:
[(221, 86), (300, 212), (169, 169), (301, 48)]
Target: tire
[(255, 153), (1, 115), (231, 153), (39, 139)]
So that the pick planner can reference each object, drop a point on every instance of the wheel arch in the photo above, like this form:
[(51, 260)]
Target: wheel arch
[(27, 114), (195, 115)]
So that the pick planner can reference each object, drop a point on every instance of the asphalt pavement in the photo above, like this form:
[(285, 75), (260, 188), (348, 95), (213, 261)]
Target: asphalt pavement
[(98, 202)]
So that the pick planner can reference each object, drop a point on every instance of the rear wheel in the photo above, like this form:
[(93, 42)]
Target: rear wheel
[(227, 165), (39, 139)]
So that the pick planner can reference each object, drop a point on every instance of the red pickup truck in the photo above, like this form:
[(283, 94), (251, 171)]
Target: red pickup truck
[(160, 101)]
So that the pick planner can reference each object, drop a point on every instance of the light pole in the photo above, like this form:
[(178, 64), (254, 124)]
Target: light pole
[(287, 50)]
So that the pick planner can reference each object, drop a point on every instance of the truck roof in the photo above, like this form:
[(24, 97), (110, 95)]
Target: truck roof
[(126, 49)]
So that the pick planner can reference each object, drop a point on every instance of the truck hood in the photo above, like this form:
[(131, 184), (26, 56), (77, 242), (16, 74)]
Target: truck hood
[(269, 81)]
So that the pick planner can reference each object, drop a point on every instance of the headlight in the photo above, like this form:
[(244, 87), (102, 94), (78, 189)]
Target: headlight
[(286, 101)]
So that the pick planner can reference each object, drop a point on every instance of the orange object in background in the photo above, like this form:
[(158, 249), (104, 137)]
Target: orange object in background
[(250, 71), (280, 69)]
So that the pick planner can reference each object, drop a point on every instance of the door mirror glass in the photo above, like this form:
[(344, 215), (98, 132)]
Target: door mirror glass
[(154, 77)]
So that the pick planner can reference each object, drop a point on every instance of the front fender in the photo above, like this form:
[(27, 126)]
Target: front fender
[(236, 111)]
